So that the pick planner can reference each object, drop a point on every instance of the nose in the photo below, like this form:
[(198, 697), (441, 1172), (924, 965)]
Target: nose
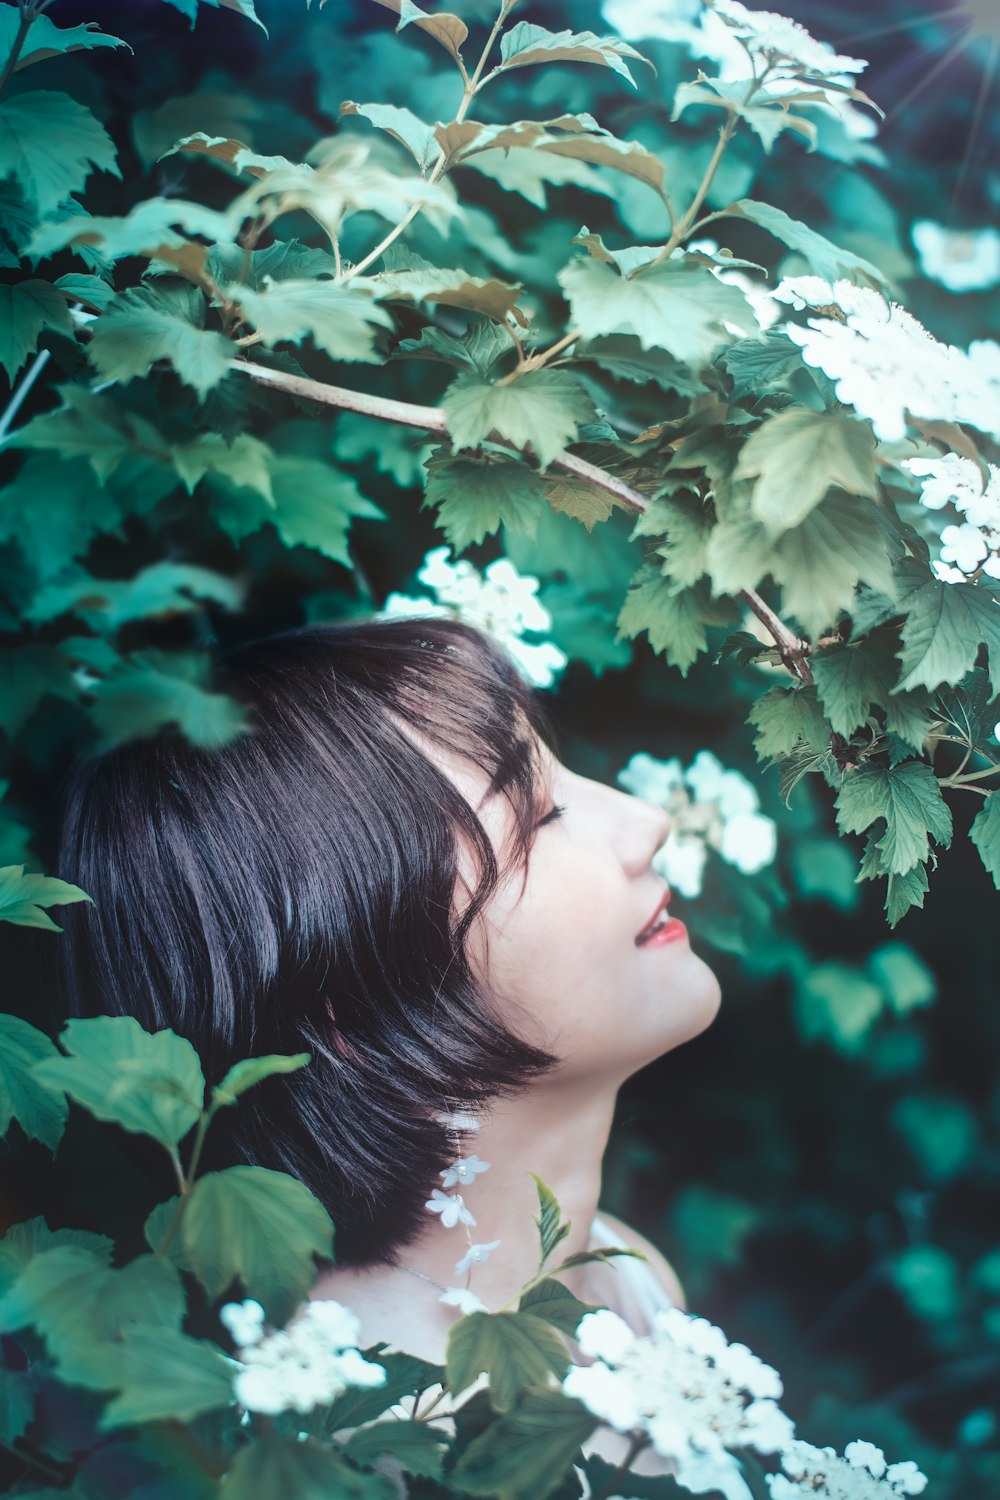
[(647, 830)]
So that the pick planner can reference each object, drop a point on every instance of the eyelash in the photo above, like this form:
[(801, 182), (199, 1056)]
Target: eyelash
[(550, 817)]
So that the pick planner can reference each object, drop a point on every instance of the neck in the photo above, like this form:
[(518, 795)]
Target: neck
[(558, 1131)]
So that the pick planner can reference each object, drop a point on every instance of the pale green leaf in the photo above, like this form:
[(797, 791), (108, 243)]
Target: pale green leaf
[(340, 320), (673, 621), (945, 625), (150, 1083), (44, 40), (40, 1113), (475, 496), (212, 112), (514, 1349), (528, 1452), (903, 976), (835, 1002), (542, 410), (22, 897), (784, 717), (26, 308), (985, 834), (154, 690), (252, 1070), (163, 589), (761, 364), (447, 30), (551, 1229), (797, 455), (767, 120), (273, 1466), (677, 305), (404, 127), (51, 144), (416, 1448), (189, 8), (162, 1376), (851, 678), (148, 323), (824, 257), (450, 287), (525, 45), (820, 562), (147, 230), (908, 797)]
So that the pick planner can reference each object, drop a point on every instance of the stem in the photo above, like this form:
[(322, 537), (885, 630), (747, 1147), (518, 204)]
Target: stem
[(794, 650), (28, 14), (536, 361), (957, 780), (639, 1441), (187, 1183)]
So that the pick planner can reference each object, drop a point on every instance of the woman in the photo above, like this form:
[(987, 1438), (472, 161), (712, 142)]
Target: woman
[(393, 871)]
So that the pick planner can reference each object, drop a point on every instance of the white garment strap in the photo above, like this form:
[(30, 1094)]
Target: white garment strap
[(647, 1291)]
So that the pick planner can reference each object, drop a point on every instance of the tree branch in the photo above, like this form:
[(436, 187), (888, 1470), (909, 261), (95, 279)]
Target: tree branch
[(794, 650)]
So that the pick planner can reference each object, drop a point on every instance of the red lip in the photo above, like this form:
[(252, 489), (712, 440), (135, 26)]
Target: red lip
[(660, 906)]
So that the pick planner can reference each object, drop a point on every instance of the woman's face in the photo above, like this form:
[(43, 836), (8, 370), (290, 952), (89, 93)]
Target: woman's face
[(560, 956)]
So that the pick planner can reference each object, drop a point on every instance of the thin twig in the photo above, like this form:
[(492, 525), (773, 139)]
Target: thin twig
[(794, 650)]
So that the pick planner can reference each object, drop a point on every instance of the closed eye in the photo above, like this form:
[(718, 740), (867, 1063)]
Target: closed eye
[(551, 816)]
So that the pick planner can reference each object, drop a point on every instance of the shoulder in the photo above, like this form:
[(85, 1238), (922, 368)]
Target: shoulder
[(658, 1262)]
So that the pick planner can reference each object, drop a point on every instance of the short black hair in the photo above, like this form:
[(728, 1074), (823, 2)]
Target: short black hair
[(294, 891)]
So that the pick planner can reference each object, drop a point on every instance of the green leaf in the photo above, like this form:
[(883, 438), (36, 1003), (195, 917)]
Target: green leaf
[(824, 257), (405, 1375), (26, 308), (416, 1448), (575, 138), (836, 1002), (342, 321), (571, 495), (766, 120), (673, 620), (677, 305), (162, 1375), (147, 230), (905, 979), (447, 30), (526, 1454), (762, 364), (51, 144), (189, 8), (908, 797), (904, 891), (850, 678), (526, 45), (165, 588), (147, 1082), (154, 690), (282, 1466), (40, 1113), (44, 40), (449, 287), (22, 897), (985, 834), (252, 1070), (786, 717), (404, 127), (542, 410), (623, 356), (148, 323), (475, 496), (945, 625), (555, 1303), (22, 1242), (261, 1226), (92, 290), (820, 562), (514, 1349), (479, 348), (798, 455), (17, 1404), (551, 1231)]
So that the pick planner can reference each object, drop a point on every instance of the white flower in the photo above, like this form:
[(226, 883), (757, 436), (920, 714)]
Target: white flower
[(964, 545), (693, 1393), (468, 1302), (451, 1208), (861, 1474), (476, 1255), (963, 260), (681, 862), (464, 1170), (749, 841), (996, 731), (244, 1320), (654, 780), (500, 601), (945, 574), (308, 1363), (766, 33)]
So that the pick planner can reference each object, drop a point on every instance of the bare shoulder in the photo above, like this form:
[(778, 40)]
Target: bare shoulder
[(659, 1263)]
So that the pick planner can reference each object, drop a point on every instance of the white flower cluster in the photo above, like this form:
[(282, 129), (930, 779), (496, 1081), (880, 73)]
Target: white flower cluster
[(782, 41), (499, 600), (453, 1209), (308, 1363), (695, 1394), (885, 364), (975, 543), (710, 808), (963, 260), (862, 1474)]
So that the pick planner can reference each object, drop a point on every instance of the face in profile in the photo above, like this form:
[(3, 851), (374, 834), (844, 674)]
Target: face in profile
[(559, 953)]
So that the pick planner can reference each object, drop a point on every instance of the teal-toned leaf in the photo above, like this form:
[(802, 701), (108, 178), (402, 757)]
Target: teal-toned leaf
[(985, 834), (147, 230), (551, 1230), (261, 1227), (342, 321), (416, 1448), (909, 798), (904, 978), (17, 1404), (451, 288), (475, 496), (26, 308), (94, 291), (904, 891), (824, 257), (153, 690), (786, 717), (27, 675), (406, 1375), (22, 1242), (573, 495), (51, 144), (941, 1132), (835, 1002), (245, 462), (944, 627), (252, 1070), (189, 8), (673, 620), (766, 120), (447, 30), (165, 588), (820, 563), (575, 138), (797, 456), (40, 1113), (528, 1452), (761, 364), (404, 127), (850, 678), (275, 1465), (514, 1350), (22, 897), (148, 323), (624, 357), (479, 347), (148, 1082), (677, 305), (44, 40), (555, 1303), (542, 411), (532, 172), (162, 1375), (526, 45)]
